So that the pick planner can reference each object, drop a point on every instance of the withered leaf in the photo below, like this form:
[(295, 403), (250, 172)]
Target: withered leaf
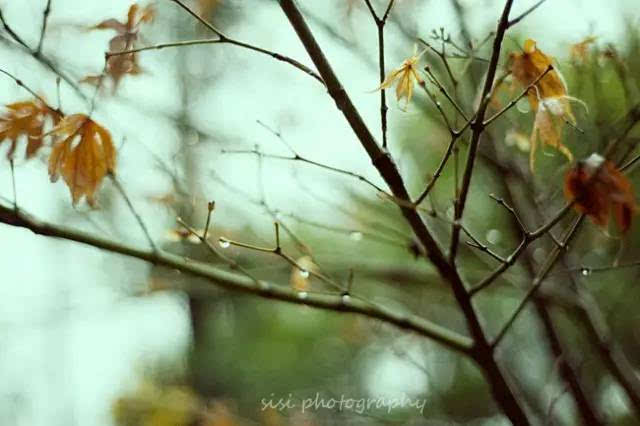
[(25, 118), (597, 187), (84, 154), (548, 98), (127, 34)]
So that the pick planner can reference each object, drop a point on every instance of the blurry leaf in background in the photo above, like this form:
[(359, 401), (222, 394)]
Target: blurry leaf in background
[(83, 165), (301, 277), (578, 51), (25, 118), (206, 8), (125, 39), (154, 405), (596, 195)]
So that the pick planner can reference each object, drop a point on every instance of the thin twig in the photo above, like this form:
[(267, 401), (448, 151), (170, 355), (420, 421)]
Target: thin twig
[(380, 23), (514, 101), (13, 184), (43, 30), (127, 200), (526, 13), (537, 281), (211, 205), (243, 284), (297, 157), (478, 127), (225, 39), (501, 390), (12, 33)]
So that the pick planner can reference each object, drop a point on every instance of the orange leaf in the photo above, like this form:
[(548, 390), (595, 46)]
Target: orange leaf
[(84, 164), (548, 98), (527, 66), (597, 187), (25, 118)]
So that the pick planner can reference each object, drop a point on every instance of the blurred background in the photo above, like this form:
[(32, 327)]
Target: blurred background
[(92, 338)]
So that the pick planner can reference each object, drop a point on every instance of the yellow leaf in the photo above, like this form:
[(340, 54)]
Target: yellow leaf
[(406, 76), (84, 164)]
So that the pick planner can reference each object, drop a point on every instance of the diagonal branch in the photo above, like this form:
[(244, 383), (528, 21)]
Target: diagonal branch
[(235, 282), (478, 127), (225, 39), (482, 353)]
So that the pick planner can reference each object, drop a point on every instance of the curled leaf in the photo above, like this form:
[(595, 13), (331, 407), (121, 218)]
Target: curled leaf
[(596, 186), (406, 76), (127, 34), (548, 98), (84, 154)]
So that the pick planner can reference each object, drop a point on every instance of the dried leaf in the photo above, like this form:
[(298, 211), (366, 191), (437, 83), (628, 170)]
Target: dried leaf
[(125, 39), (548, 98), (406, 75), (25, 118), (597, 187), (84, 164), (578, 51), (548, 127)]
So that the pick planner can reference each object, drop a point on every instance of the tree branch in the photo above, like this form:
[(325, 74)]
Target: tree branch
[(478, 127), (225, 39), (235, 282), (482, 353)]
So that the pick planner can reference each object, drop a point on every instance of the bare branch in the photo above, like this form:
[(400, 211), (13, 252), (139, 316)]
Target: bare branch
[(478, 126), (43, 30), (225, 39), (526, 13), (243, 284)]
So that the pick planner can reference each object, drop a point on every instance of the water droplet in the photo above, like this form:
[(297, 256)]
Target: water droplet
[(302, 295), (356, 235), (523, 105), (585, 272), (304, 273), (494, 236), (224, 243)]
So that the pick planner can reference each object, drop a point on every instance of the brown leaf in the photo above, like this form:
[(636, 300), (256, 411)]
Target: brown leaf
[(597, 187), (126, 38), (84, 164), (25, 118)]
